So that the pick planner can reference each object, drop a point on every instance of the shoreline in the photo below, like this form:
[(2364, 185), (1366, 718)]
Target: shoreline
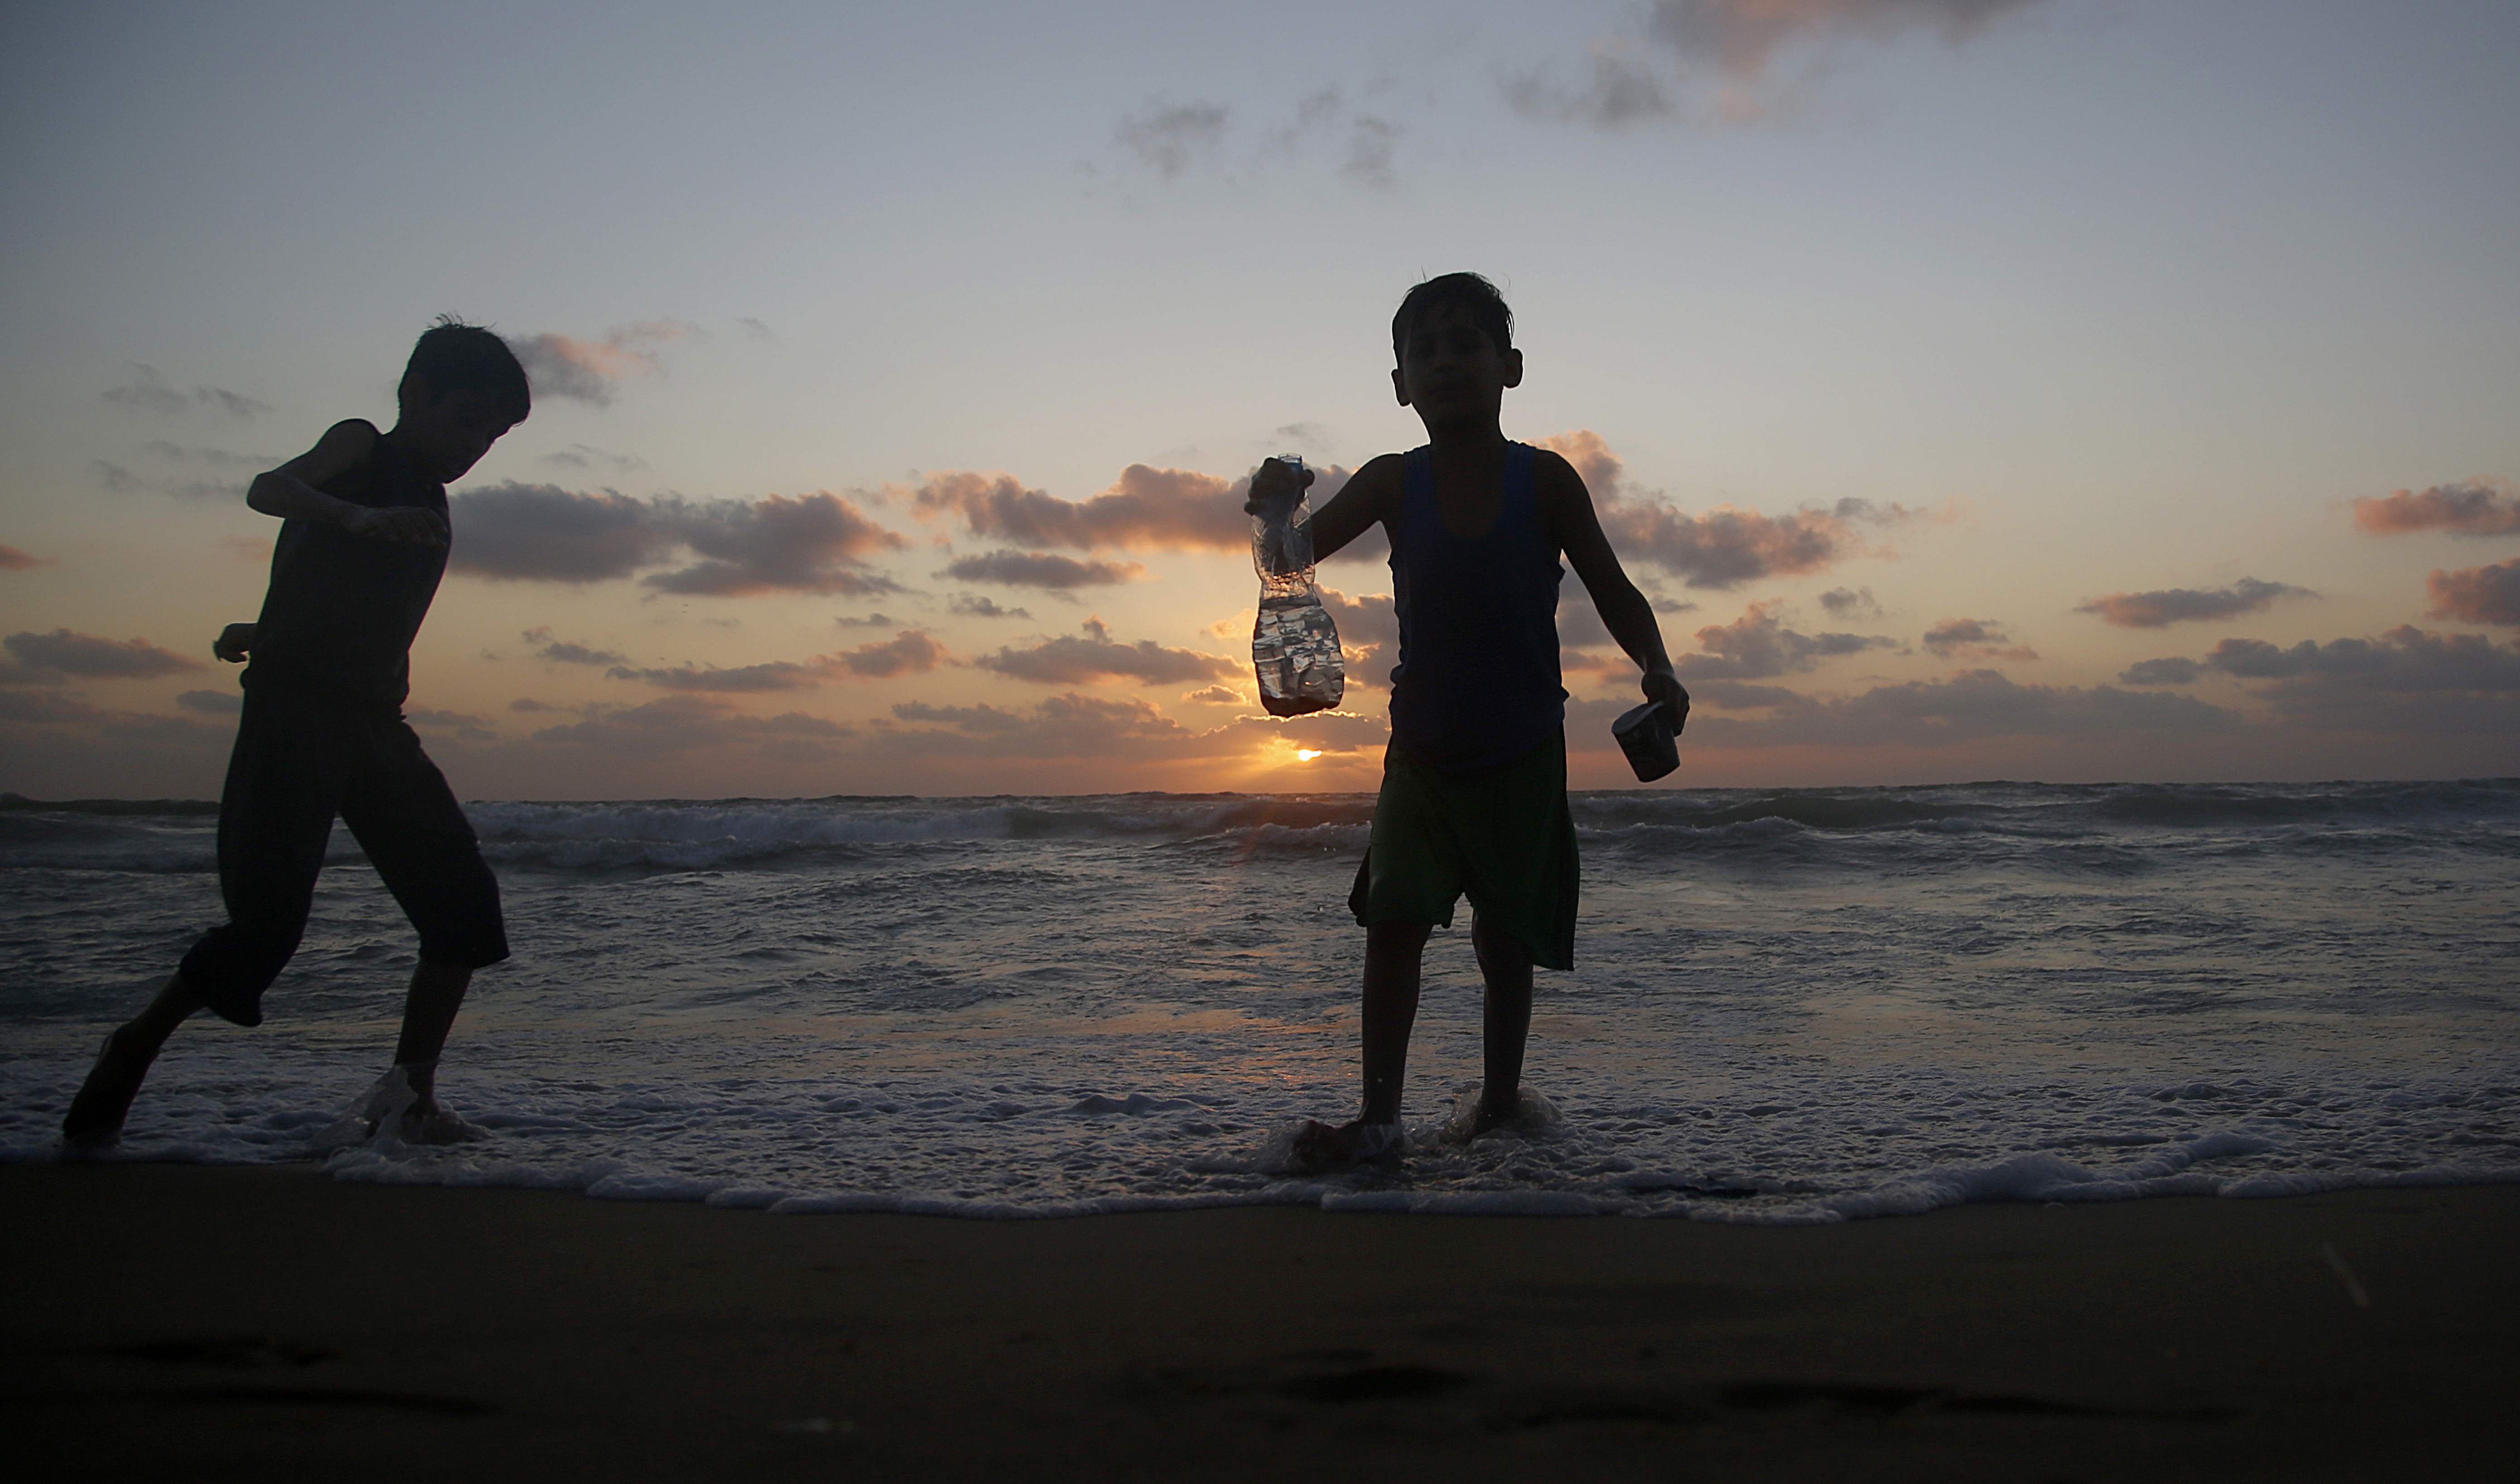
[(218, 1321)]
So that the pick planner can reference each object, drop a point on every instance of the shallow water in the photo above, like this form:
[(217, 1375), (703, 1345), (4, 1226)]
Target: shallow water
[(1789, 1005)]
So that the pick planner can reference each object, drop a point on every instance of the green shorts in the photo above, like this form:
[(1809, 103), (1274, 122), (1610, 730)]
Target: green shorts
[(1504, 838)]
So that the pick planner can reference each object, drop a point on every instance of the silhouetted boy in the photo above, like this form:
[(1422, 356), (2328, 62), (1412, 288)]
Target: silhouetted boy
[(360, 552), (1473, 794)]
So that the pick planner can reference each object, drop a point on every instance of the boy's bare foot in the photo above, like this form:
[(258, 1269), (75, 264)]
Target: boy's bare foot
[(103, 1101), (1319, 1146)]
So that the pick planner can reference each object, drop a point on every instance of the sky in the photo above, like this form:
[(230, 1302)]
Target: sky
[(2070, 391)]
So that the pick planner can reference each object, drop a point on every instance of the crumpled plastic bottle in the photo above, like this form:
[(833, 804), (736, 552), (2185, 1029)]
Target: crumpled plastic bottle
[(1294, 645)]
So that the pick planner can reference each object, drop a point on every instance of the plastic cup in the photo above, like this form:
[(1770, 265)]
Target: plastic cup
[(1645, 736)]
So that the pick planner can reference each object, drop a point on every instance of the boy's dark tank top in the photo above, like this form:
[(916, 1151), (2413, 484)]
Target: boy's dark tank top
[(1477, 684), (341, 610)]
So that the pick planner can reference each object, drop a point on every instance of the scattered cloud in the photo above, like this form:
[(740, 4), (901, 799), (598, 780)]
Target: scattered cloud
[(47, 708), (2408, 678), (1616, 85), (1719, 59), (814, 543), (1168, 138), (2478, 507), (13, 560), (593, 370), (1850, 602), (1216, 695), (2477, 594), (588, 456), (2180, 604), (870, 621), (1757, 645), (1040, 569), (1070, 725), (1970, 706), (1074, 660), (974, 606), (2172, 671), (147, 391), (64, 653), (458, 724), (1145, 510), (544, 533), (564, 652), (680, 723), (1722, 548), (1975, 638), (909, 652), (210, 702)]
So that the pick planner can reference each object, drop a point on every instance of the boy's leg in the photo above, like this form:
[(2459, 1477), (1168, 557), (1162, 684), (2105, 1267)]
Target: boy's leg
[(1504, 962), (1394, 955), (428, 1013), (415, 833), (104, 1100)]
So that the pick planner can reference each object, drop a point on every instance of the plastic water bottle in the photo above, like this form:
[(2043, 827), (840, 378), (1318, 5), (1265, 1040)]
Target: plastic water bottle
[(1294, 645)]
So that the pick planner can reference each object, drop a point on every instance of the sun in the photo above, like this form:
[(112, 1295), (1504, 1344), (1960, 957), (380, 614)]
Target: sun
[(1306, 755)]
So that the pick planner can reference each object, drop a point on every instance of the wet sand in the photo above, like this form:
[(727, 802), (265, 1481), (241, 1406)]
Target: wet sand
[(187, 1323)]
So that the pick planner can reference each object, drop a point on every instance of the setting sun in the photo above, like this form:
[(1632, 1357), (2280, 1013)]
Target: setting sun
[(1305, 755)]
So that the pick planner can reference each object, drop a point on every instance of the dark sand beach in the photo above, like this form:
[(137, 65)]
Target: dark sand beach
[(179, 1322)]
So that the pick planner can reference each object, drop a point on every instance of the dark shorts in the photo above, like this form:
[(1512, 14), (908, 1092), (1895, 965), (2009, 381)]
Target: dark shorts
[(1503, 837), (300, 761)]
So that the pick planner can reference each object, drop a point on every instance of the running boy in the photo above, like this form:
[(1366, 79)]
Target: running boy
[(361, 548), (1474, 781)]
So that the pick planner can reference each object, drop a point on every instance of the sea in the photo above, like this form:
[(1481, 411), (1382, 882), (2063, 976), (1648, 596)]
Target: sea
[(1790, 1005)]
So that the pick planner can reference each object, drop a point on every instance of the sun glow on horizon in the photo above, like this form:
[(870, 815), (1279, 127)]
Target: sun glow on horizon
[(1306, 755)]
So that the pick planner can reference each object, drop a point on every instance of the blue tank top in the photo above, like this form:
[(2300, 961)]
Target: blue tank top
[(1477, 684)]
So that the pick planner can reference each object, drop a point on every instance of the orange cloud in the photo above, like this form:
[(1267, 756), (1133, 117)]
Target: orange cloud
[(1079, 659), (13, 560), (1145, 510), (2478, 507), (2477, 594), (1977, 637), (1721, 548), (909, 652), (592, 371)]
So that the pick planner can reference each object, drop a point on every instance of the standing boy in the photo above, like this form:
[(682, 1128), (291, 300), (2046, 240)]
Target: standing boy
[(1474, 781), (359, 556)]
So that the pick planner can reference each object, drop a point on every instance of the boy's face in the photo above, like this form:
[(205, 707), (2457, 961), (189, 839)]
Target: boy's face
[(450, 432), (1451, 372)]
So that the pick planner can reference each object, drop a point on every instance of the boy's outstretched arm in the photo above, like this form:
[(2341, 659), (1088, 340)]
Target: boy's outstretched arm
[(1369, 495), (289, 491), (1625, 612)]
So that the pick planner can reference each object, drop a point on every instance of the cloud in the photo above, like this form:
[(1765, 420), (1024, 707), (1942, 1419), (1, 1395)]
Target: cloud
[(587, 455), (1757, 645), (1725, 547), (1617, 86), (1970, 706), (1040, 569), (974, 606), (1976, 639), (542, 533), (2478, 507), (909, 652), (1070, 659), (459, 724), (47, 708), (2477, 594), (1085, 726), (2406, 679), (13, 560), (870, 621), (2162, 672), (149, 391), (593, 370), (563, 651), (2180, 605), (210, 702), (84, 655), (810, 544), (1216, 695), (680, 723), (1736, 46), (1145, 510), (1168, 138), (1850, 602)]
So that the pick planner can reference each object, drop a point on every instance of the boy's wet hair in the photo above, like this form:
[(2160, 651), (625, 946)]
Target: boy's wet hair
[(1472, 293), (454, 356)]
